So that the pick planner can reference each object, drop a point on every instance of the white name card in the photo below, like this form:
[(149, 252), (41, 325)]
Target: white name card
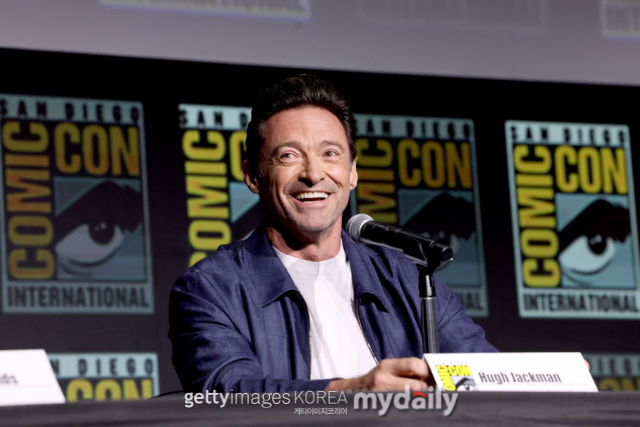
[(26, 378), (510, 372)]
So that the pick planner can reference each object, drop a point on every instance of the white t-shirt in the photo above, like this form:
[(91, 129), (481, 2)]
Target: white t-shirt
[(338, 345)]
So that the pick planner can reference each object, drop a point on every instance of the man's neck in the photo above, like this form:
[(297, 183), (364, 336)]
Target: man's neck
[(317, 247)]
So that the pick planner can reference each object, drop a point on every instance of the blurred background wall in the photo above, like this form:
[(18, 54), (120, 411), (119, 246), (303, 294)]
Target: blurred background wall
[(590, 41)]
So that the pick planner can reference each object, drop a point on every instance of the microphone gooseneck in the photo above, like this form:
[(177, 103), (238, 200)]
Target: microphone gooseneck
[(421, 250)]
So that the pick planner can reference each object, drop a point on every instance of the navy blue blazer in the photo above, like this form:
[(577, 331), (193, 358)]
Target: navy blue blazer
[(238, 322)]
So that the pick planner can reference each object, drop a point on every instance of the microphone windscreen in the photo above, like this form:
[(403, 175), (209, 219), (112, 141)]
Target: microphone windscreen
[(354, 226)]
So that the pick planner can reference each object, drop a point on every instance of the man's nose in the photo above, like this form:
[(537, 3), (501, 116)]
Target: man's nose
[(312, 171)]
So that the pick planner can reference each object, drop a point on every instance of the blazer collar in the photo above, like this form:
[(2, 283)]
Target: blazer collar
[(365, 279), (273, 279)]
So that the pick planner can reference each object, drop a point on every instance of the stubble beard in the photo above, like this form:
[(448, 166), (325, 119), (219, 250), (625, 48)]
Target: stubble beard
[(295, 225), (292, 223)]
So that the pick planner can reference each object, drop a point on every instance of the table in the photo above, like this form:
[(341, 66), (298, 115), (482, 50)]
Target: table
[(473, 408)]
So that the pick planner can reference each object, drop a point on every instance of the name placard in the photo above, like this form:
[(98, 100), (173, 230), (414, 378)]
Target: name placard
[(510, 372), (26, 378)]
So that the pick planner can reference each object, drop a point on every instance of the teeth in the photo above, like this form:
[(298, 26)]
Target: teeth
[(314, 195)]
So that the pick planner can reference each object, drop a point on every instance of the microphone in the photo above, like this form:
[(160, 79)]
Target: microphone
[(421, 250)]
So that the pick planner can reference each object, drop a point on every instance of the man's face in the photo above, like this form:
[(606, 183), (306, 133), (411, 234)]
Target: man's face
[(306, 171)]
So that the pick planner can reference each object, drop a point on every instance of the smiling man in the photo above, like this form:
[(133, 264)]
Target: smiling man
[(304, 174), (297, 305)]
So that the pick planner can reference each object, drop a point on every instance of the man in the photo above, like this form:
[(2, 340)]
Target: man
[(298, 306)]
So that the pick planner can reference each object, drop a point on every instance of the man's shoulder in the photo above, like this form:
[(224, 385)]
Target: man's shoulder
[(402, 271), (389, 259), (224, 256), (220, 269)]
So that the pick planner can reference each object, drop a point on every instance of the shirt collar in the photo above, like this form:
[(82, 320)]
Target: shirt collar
[(312, 267)]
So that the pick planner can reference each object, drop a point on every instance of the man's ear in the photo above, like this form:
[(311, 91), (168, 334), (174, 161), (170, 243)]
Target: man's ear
[(353, 174), (249, 178)]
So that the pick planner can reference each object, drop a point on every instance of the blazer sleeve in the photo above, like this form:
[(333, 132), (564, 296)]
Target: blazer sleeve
[(209, 352)]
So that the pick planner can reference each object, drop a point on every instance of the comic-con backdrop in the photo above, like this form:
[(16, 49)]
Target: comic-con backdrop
[(113, 184)]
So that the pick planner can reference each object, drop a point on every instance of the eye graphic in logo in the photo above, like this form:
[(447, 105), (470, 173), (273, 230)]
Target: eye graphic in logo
[(445, 218), (590, 242), (464, 383), (99, 235)]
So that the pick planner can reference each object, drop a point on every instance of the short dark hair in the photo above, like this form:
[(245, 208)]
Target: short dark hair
[(294, 92)]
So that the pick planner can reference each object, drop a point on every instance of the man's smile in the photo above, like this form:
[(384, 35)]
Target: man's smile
[(310, 196)]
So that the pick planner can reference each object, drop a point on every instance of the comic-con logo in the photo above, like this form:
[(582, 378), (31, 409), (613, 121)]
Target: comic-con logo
[(106, 376), (220, 207), (616, 372), (456, 377), (419, 173), (75, 229), (573, 211)]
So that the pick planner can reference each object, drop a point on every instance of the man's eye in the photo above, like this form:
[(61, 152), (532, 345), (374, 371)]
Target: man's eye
[(287, 156), (330, 154)]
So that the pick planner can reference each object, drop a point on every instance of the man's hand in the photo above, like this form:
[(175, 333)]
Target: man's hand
[(389, 375)]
